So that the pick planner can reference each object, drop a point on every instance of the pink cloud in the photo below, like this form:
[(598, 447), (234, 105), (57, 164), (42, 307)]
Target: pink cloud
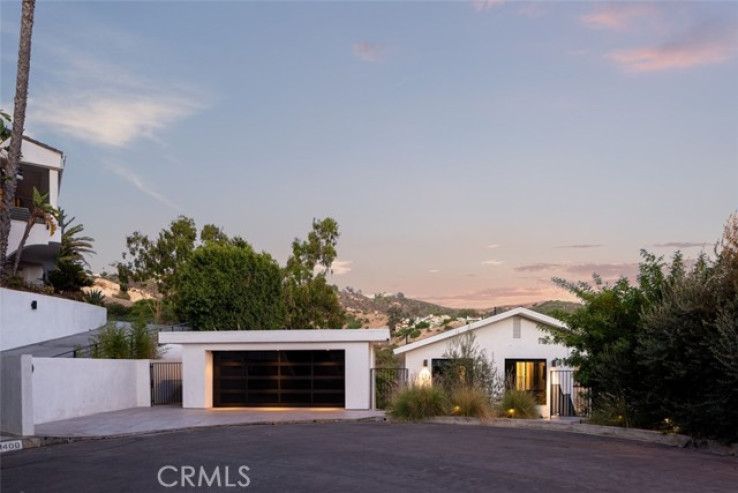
[(367, 51), (615, 18), (674, 55), (481, 5)]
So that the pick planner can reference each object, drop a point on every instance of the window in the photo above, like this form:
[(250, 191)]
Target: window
[(442, 368), (527, 375), (516, 327)]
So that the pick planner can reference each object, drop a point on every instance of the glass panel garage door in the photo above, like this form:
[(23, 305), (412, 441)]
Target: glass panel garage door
[(279, 378)]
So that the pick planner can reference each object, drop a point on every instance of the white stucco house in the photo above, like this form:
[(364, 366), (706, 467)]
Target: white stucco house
[(41, 167), (513, 339), (277, 368)]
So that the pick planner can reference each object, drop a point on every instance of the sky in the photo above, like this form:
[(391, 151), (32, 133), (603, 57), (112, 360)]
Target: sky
[(470, 151)]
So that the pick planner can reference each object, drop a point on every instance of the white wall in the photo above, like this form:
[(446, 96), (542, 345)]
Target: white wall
[(20, 325), (197, 369), (17, 400), (68, 388), (497, 340)]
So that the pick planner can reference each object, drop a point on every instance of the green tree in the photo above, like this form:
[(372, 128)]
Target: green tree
[(74, 247), (689, 347), (604, 332), (70, 274), (8, 174), (156, 262), (40, 210), (311, 302), (229, 287), (394, 317)]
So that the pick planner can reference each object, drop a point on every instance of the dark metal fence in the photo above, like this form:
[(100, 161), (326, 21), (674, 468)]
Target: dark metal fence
[(568, 397), (166, 383), (385, 382)]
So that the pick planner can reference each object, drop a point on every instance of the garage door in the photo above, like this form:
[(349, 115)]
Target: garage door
[(279, 378)]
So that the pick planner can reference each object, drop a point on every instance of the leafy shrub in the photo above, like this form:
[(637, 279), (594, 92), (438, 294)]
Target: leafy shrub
[(419, 402), (610, 411), (94, 297), (111, 342), (519, 404), (471, 402), (117, 343), (116, 311)]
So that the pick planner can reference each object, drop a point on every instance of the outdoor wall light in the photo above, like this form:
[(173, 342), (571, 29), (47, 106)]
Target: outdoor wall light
[(34, 305), (425, 363)]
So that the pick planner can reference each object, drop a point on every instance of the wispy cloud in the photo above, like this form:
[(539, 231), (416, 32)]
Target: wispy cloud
[(615, 17), (341, 267), (680, 244), (579, 246), (482, 5), (706, 44), (538, 267), (495, 245), (606, 270), (113, 120), (368, 52), (434, 271), (137, 182), (91, 98), (493, 262)]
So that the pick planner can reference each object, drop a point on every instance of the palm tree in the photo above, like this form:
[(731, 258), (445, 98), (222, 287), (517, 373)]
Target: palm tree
[(40, 209), (9, 168), (73, 247)]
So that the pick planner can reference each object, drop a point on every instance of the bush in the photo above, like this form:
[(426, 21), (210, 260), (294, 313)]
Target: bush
[(519, 404), (116, 311), (228, 287), (94, 297), (418, 403), (111, 342), (117, 343), (471, 402)]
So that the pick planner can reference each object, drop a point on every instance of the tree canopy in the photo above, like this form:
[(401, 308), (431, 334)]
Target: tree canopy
[(662, 353)]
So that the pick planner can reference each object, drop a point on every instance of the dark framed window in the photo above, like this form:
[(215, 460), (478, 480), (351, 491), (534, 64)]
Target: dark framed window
[(445, 369), (527, 374)]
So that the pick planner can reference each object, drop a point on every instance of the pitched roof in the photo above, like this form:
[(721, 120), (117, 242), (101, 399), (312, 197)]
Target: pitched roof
[(515, 312)]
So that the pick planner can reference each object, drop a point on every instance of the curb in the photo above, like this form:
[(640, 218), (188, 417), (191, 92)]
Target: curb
[(45, 440), (635, 434)]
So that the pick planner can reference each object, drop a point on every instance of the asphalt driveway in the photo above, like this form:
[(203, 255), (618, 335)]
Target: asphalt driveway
[(366, 457)]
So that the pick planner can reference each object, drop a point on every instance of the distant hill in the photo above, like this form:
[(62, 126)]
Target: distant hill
[(354, 301)]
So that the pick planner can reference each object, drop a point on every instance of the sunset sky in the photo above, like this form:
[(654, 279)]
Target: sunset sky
[(468, 150)]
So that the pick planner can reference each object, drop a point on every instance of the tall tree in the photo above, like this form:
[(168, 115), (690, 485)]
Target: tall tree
[(225, 286), (604, 333), (310, 301), (156, 262), (10, 167), (40, 210), (688, 351), (73, 246)]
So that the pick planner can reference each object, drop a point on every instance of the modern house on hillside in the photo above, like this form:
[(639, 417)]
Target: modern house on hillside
[(41, 167), (514, 340)]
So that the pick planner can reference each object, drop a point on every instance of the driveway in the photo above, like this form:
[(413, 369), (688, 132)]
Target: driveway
[(366, 457)]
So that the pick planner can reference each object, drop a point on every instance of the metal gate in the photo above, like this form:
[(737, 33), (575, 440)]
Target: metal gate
[(385, 382), (166, 383), (568, 397)]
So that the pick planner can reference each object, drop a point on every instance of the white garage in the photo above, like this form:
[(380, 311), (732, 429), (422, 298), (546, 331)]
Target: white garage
[(277, 368)]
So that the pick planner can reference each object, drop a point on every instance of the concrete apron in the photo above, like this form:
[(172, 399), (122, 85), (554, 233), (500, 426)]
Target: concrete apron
[(170, 418)]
